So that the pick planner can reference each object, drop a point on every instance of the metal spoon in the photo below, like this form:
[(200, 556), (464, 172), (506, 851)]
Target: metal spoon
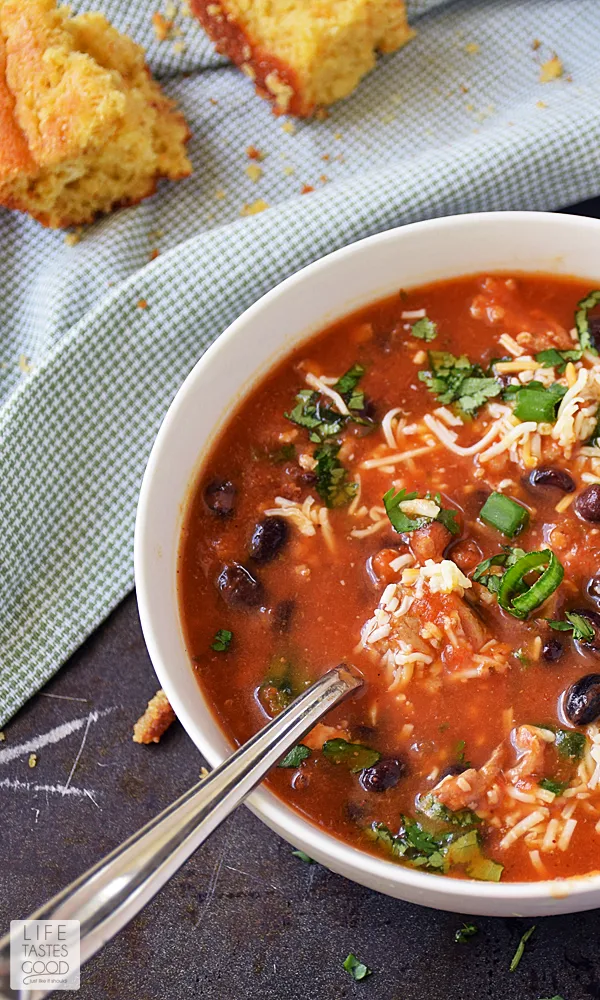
[(107, 896)]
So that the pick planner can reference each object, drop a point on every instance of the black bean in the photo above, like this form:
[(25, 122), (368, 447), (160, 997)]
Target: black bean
[(582, 700), (587, 504), (239, 588), (268, 539), (219, 496), (593, 588), (558, 478), (282, 615), (383, 775), (553, 650)]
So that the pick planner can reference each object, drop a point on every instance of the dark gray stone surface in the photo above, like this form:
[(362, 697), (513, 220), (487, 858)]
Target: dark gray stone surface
[(243, 920)]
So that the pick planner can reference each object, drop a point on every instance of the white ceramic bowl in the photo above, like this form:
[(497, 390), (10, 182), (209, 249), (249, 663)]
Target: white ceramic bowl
[(300, 306)]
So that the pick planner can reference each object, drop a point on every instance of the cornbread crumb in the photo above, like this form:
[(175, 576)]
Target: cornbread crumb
[(204, 773), (289, 127), (25, 364), (2, 737), (304, 55), (472, 48), (255, 154), (179, 47), (72, 239), (33, 759), (257, 206), (541, 104), (288, 171), (142, 304), (552, 69), (220, 194), (254, 172), (83, 126), (162, 26), (306, 189), (155, 721)]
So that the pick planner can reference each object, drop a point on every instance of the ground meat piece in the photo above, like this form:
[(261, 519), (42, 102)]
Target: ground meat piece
[(155, 721), (466, 621), (530, 749), (468, 790)]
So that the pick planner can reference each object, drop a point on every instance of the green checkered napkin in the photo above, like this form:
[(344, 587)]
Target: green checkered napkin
[(456, 122)]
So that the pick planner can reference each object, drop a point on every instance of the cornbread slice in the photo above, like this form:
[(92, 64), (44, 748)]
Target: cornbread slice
[(83, 126), (304, 54)]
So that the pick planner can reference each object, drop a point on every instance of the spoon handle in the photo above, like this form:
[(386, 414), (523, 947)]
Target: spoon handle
[(107, 896)]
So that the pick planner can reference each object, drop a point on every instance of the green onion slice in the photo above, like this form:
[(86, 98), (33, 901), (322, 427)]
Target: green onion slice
[(505, 514), (519, 599), (536, 404)]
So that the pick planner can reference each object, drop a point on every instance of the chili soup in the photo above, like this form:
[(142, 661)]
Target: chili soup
[(416, 490)]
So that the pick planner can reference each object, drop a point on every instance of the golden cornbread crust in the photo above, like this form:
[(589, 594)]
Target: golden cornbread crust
[(83, 126), (155, 721), (304, 54)]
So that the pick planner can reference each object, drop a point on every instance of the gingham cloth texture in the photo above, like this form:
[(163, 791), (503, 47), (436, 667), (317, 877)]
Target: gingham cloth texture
[(455, 122)]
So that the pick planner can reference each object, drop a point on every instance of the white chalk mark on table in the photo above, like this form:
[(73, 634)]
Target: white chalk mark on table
[(15, 785), (52, 736), (63, 697), (79, 752)]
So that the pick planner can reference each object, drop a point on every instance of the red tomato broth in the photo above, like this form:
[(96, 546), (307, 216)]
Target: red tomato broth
[(334, 594)]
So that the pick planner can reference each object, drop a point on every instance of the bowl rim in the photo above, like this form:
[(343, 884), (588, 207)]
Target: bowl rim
[(275, 812)]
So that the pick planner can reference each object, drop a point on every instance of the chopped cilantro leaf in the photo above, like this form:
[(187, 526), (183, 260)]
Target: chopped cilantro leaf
[(303, 856), (357, 970), (434, 809), (582, 321), (319, 419), (576, 624), (424, 329), (465, 932), (553, 358), (518, 955), (286, 453), (347, 383), (222, 640), (460, 753), (504, 559), (550, 785), (401, 522), (439, 851), (355, 755), (446, 516), (457, 380), (332, 485), (295, 756), (570, 744)]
